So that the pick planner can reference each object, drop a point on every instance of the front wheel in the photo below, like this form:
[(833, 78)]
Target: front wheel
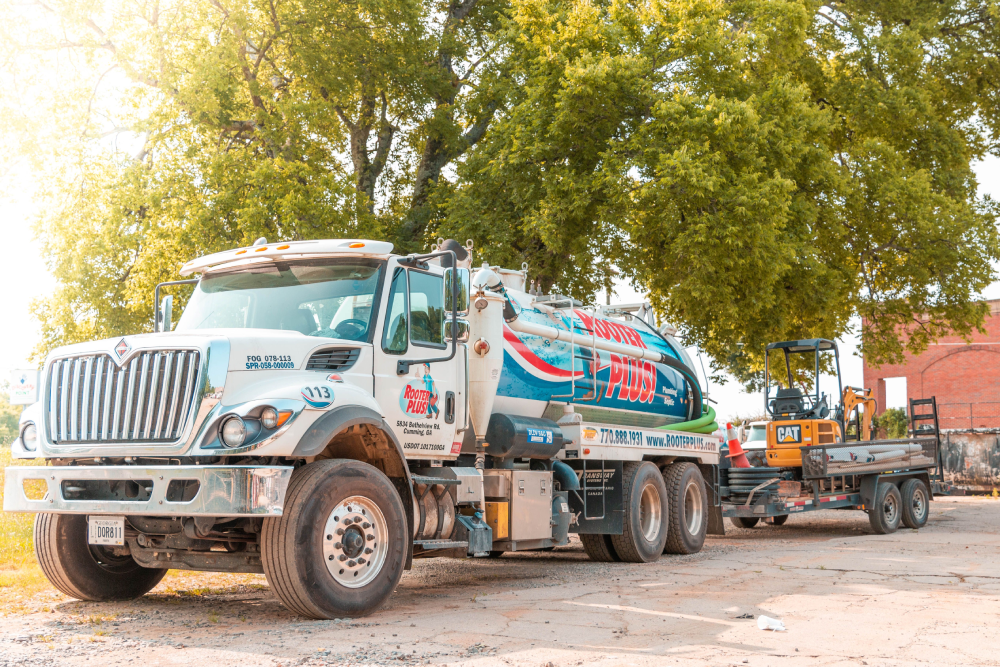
[(84, 571), (340, 546)]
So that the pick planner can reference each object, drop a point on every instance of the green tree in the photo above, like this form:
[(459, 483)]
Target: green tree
[(765, 169), (893, 421), (9, 418)]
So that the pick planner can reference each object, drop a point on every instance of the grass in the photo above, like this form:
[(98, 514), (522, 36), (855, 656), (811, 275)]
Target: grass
[(20, 577)]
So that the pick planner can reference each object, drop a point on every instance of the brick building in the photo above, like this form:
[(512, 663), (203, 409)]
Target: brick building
[(964, 377)]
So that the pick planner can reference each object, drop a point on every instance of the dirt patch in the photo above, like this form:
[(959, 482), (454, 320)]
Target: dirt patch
[(847, 597)]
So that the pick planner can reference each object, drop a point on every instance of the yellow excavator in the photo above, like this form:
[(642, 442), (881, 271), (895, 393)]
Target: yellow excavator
[(800, 419)]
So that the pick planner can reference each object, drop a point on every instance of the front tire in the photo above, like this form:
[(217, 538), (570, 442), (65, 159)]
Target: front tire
[(916, 501), (86, 572), (885, 515), (687, 501), (340, 546)]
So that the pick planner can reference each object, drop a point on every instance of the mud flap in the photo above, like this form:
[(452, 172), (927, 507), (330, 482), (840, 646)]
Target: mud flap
[(716, 526)]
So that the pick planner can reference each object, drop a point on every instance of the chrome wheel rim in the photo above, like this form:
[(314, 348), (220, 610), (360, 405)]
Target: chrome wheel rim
[(919, 504), (693, 508), (650, 516), (354, 542)]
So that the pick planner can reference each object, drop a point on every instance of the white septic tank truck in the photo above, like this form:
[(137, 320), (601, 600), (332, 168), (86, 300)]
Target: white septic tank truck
[(324, 412)]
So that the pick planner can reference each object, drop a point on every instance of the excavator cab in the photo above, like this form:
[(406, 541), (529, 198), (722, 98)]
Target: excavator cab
[(800, 419)]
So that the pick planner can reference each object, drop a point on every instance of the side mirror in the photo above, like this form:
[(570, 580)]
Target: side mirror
[(461, 332), (464, 281), (166, 306)]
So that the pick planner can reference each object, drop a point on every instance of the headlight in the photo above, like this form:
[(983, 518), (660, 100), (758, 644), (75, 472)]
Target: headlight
[(29, 437), (234, 432), (269, 418)]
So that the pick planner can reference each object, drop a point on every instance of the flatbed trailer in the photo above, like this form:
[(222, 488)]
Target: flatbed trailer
[(839, 476)]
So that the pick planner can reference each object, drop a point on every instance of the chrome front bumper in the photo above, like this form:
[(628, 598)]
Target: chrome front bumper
[(222, 490)]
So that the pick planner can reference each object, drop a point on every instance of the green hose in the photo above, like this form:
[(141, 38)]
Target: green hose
[(704, 424)]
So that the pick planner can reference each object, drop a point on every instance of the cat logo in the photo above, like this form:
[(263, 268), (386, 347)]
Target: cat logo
[(790, 433)]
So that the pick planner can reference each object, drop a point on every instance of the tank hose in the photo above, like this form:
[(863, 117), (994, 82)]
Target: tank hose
[(704, 424)]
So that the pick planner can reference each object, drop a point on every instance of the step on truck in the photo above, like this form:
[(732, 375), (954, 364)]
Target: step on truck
[(324, 412), (823, 457)]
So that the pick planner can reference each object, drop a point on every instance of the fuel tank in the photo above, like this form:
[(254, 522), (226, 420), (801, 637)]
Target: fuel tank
[(539, 374)]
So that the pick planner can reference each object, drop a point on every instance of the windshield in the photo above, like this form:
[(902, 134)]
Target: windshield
[(757, 433), (329, 298)]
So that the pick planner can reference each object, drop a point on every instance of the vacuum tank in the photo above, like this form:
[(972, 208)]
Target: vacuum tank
[(539, 374)]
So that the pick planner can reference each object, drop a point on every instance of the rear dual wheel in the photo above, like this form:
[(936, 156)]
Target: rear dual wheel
[(664, 513)]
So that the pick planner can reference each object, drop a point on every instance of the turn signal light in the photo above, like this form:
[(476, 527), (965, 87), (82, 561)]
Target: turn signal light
[(283, 416)]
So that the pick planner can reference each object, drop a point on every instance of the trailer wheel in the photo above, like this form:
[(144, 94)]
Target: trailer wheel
[(644, 533), (687, 502), (885, 514), (745, 521), (778, 520), (915, 503), (83, 571), (599, 548), (339, 548)]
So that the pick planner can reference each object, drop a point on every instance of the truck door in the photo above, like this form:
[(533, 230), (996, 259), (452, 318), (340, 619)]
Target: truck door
[(421, 405)]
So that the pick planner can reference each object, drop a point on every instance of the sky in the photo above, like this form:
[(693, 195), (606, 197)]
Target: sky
[(25, 277)]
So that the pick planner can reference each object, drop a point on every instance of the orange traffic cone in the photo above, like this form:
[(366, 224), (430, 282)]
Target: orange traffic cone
[(735, 450)]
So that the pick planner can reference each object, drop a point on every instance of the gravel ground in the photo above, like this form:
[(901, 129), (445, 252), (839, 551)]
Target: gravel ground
[(847, 597)]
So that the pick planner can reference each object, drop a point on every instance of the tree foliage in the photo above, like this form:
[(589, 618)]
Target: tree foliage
[(764, 169)]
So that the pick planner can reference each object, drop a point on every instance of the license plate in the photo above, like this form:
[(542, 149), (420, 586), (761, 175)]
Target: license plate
[(106, 530)]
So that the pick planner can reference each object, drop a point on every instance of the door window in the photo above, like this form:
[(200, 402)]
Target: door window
[(427, 309), (394, 339)]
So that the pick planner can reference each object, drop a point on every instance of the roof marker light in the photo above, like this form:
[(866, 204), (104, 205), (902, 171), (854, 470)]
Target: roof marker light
[(261, 249), (240, 252), (283, 247), (356, 245)]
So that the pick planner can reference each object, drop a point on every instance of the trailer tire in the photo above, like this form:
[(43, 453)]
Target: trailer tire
[(687, 502), (83, 571), (644, 530), (745, 521), (599, 548), (337, 512), (915, 503), (778, 520), (885, 514)]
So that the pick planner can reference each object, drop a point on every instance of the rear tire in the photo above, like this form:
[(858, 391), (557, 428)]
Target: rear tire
[(745, 521), (599, 548), (885, 515), (83, 571), (644, 530), (916, 503), (687, 502), (339, 548)]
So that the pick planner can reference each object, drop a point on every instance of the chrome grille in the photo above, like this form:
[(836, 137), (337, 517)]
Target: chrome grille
[(149, 399)]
